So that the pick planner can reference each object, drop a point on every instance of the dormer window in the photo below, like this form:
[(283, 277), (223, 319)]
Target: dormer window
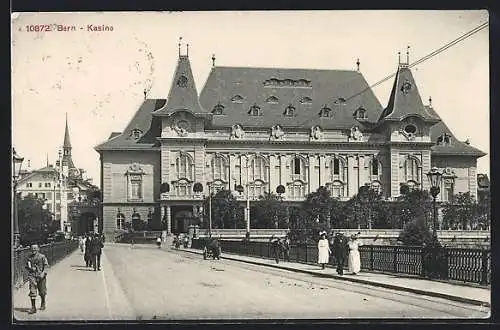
[(218, 109), (289, 111), (182, 81), (306, 100), (410, 129), (325, 111), (444, 140), (136, 133), (237, 99), (254, 111), (360, 113), (272, 99)]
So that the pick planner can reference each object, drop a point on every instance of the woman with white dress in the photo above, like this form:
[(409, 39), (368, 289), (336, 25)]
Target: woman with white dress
[(323, 250), (354, 258)]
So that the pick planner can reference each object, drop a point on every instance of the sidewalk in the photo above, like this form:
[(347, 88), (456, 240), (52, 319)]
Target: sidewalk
[(460, 293), (75, 292)]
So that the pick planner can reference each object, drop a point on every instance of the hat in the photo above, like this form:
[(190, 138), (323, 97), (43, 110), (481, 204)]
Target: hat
[(322, 233), (35, 247)]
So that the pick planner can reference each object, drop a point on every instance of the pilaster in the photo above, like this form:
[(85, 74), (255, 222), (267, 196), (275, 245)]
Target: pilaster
[(274, 173), (313, 179), (169, 219)]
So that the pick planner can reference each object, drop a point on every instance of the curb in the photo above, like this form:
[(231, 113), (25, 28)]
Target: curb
[(361, 281)]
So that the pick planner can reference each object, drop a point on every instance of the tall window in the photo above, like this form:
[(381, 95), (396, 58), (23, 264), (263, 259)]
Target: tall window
[(296, 165), (135, 192), (184, 172), (448, 190), (219, 168), (257, 177), (297, 190), (47, 184), (411, 170), (336, 166), (120, 220), (338, 169), (374, 170)]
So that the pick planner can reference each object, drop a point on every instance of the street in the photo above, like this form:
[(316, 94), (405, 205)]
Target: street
[(169, 284)]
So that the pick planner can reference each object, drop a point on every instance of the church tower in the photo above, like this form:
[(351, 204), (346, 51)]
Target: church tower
[(67, 159)]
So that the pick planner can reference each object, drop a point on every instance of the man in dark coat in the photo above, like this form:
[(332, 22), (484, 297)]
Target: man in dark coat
[(96, 250), (340, 249), (88, 253), (36, 267)]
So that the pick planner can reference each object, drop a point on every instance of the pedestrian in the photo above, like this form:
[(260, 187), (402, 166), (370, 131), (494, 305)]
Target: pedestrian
[(158, 241), (286, 249), (276, 248), (37, 277), (88, 253), (354, 258), (81, 244), (96, 251), (323, 250), (340, 250)]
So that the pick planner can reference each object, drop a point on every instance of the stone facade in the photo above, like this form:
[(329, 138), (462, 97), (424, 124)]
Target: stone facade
[(234, 135)]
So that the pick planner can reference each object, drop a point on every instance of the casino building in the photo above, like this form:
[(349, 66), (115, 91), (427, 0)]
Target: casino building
[(265, 127)]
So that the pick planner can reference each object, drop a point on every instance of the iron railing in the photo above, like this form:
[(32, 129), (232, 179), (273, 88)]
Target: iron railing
[(457, 264), (53, 251)]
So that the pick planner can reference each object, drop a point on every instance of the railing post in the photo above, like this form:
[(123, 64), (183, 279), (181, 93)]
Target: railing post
[(307, 246), (484, 267), (395, 259), (371, 257)]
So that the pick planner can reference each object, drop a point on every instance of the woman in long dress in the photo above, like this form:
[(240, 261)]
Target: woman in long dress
[(354, 258), (323, 250)]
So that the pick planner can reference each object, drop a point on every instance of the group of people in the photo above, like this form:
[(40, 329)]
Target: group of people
[(91, 246), (281, 248), (343, 248)]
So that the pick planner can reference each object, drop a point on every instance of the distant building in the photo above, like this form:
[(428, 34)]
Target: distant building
[(265, 127), (57, 185)]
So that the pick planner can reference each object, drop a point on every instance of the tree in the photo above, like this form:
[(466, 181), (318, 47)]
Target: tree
[(35, 222), (269, 211), (367, 209), (226, 210), (462, 212), (416, 233), (415, 204)]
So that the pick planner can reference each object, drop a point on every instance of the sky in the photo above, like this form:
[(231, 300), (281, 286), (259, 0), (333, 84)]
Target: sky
[(98, 78)]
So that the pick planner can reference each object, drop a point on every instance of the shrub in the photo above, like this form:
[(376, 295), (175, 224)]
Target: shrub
[(416, 232)]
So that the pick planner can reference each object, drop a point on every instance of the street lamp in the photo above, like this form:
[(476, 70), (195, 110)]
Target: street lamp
[(434, 177), (17, 162)]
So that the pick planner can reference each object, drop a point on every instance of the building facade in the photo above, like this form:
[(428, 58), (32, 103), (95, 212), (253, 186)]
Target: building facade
[(58, 185), (265, 127)]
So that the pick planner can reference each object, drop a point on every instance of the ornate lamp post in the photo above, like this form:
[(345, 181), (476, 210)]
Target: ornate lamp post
[(434, 177), (17, 162)]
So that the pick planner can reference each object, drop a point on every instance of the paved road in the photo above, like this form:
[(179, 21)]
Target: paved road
[(169, 284)]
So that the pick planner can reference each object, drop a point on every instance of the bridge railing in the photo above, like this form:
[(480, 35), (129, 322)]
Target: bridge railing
[(457, 264), (53, 251)]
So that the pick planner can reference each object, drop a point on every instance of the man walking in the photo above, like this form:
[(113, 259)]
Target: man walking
[(286, 249), (96, 250), (88, 251), (340, 249), (37, 277)]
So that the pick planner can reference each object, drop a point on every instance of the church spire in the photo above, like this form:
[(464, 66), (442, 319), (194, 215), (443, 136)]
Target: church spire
[(67, 143)]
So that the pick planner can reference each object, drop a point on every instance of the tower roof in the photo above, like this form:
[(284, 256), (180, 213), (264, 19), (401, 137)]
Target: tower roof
[(67, 142), (405, 99), (183, 94)]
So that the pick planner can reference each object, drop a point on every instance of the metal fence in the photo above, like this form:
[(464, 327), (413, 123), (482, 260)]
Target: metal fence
[(458, 264), (53, 251)]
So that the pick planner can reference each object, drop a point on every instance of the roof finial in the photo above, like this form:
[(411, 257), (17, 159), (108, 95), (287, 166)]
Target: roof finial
[(145, 93), (430, 101), (187, 50), (180, 40), (213, 60), (408, 55), (399, 57), (47, 159), (358, 63)]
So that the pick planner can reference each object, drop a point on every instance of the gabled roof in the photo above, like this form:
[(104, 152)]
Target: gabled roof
[(456, 147), (50, 170), (405, 99), (183, 94), (237, 89)]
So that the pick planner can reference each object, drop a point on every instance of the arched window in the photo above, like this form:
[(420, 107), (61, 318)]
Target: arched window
[(374, 167), (218, 109), (298, 169), (135, 187), (289, 111), (254, 110), (257, 176), (338, 169), (120, 220), (325, 111), (411, 172), (219, 169), (184, 173), (448, 189), (182, 81)]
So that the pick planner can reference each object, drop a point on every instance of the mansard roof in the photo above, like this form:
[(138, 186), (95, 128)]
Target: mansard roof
[(47, 170), (455, 147), (405, 99), (144, 123), (238, 89)]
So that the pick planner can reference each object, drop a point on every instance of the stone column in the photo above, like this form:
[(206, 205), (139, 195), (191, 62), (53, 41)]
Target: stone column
[(169, 220)]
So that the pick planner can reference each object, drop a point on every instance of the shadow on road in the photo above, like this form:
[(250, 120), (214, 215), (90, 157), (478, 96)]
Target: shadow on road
[(22, 309)]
